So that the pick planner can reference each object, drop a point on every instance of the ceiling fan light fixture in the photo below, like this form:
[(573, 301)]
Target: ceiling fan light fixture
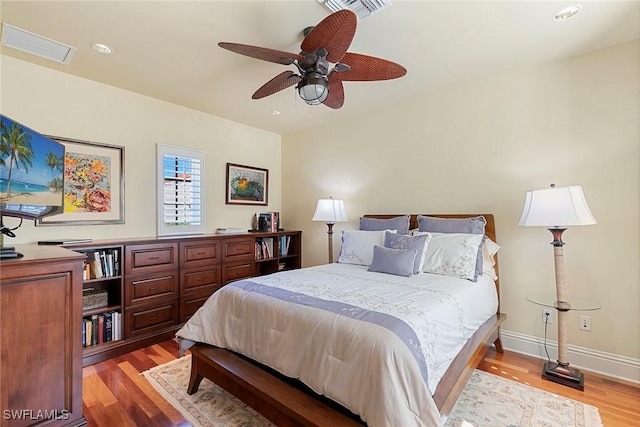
[(313, 89)]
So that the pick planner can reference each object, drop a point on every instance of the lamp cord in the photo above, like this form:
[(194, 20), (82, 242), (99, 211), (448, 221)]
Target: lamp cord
[(546, 322), (8, 231)]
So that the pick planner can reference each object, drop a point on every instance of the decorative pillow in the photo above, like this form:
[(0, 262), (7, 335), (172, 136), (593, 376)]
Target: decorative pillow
[(489, 249), (399, 223), (357, 246), (473, 225), (393, 261), (455, 254), (419, 243)]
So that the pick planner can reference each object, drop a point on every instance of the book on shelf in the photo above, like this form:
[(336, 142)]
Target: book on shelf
[(264, 248), (284, 245), (101, 328), (104, 263), (108, 326)]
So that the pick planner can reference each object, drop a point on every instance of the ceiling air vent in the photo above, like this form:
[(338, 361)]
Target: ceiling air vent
[(35, 44), (362, 8)]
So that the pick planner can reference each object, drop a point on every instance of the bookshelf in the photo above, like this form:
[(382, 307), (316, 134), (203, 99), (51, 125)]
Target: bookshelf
[(102, 291), (277, 251), (153, 285)]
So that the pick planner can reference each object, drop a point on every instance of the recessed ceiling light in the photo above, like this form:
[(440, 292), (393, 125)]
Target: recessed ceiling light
[(274, 112), (567, 12), (101, 48)]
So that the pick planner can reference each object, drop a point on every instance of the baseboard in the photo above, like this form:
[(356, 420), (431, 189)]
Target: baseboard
[(600, 362)]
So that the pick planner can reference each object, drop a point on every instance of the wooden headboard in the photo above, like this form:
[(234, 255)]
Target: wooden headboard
[(489, 231)]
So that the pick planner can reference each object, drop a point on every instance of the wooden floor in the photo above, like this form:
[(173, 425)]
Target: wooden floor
[(115, 394)]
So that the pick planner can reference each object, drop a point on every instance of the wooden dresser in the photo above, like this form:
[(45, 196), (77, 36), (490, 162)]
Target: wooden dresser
[(154, 285), (41, 341)]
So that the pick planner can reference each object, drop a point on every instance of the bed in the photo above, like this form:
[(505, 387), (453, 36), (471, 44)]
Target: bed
[(337, 344)]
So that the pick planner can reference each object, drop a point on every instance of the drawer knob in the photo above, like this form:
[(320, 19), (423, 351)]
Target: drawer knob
[(153, 288), (153, 318), (154, 257)]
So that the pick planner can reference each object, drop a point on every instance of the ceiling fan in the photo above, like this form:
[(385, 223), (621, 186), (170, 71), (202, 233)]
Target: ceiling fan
[(324, 44)]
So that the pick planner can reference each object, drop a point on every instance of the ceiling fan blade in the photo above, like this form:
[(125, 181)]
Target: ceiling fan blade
[(266, 54), (335, 99), (276, 84), (368, 68), (334, 33)]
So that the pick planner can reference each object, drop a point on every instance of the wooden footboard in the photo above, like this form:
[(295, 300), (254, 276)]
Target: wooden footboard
[(278, 400), (286, 403)]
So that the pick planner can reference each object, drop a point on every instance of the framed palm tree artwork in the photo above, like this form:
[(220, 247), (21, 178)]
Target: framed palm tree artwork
[(93, 184), (31, 175)]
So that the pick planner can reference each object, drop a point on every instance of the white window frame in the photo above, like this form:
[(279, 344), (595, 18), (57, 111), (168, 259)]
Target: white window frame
[(166, 229)]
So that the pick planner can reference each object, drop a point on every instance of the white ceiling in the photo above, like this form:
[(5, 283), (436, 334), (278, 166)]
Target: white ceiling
[(168, 49)]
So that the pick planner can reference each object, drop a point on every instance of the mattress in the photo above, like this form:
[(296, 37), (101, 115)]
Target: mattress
[(376, 343)]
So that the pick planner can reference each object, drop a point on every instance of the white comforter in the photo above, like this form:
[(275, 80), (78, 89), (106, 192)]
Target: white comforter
[(351, 352)]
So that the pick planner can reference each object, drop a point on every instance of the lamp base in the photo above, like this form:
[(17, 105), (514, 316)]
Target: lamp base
[(563, 374)]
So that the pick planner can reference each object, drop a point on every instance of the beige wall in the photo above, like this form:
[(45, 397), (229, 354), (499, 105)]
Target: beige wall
[(479, 147), (59, 104)]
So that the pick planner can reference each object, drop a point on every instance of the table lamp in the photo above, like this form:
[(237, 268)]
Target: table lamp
[(557, 208), (330, 211)]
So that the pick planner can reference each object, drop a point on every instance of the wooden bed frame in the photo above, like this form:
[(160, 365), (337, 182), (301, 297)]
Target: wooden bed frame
[(287, 402)]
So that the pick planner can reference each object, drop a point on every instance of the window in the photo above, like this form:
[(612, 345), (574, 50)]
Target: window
[(180, 191)]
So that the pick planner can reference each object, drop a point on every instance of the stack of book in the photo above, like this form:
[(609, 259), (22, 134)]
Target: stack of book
[(284, 245), (264, 248), (101, 328), (100, 264), (269, 221)]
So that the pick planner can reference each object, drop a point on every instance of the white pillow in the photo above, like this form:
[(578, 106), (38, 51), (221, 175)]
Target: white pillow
[(453, 254), (489, 250), (357, 246)]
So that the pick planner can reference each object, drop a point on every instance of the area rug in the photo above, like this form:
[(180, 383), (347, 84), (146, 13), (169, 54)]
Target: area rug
[(487, 401)]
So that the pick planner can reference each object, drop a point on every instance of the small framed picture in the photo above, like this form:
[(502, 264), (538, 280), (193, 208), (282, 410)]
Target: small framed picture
[(247, 185)]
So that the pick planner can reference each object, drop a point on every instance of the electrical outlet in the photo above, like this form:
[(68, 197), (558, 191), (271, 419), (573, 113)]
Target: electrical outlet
[(585, 323), (547, 315)]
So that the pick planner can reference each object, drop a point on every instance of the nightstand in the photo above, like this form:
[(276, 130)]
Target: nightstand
[(560, 371)]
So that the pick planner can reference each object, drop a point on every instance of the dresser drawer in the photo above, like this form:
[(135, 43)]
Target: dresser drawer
[(151, 257), (200, 280), (189, 305), (145, 288), (235, 249), (200, 253), (147, 318), (237, 270)]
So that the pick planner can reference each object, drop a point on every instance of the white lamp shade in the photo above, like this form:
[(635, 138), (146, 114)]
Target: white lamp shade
[(330, 211), (556, 207)]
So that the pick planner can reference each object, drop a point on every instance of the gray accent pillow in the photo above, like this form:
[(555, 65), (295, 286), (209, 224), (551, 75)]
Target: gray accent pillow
[(473, 225), (393, 261), (400, 223), (419, 243)]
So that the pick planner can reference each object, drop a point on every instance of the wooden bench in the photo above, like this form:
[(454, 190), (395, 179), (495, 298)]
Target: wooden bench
[(277, 400)]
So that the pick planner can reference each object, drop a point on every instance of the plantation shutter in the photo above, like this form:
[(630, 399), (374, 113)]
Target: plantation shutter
[(181, 196)]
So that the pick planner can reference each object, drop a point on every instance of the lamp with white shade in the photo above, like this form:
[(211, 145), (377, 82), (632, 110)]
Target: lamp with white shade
[(330, 211), (557, 208)]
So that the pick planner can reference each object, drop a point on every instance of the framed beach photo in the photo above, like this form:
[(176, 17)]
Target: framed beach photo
[(247, 185), (93, 184)]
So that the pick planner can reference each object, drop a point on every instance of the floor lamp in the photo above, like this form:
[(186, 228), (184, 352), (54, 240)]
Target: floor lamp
[(330, 211), (557, 208)]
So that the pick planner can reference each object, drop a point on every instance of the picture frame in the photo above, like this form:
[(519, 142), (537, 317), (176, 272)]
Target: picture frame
[(93, 184), (246, 185)]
